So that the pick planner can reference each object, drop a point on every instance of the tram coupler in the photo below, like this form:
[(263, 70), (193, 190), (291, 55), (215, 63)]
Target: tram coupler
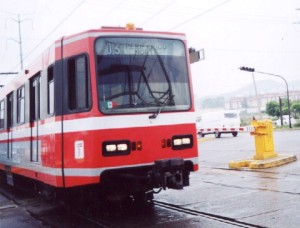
[(168, 173)]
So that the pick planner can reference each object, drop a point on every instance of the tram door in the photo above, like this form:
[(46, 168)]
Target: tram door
[(10, 117), (34, 118)]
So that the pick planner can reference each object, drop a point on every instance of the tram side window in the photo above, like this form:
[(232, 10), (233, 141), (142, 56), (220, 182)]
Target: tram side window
[(10, 110), (2, 111), (21, 105), (78, 79), (35, 93), (50, 85)]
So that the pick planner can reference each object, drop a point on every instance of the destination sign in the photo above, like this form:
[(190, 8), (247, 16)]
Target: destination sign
[(138, 46)]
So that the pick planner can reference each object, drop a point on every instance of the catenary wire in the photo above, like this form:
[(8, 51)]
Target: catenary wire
[(53, 30), (201, 14), (157, 12)]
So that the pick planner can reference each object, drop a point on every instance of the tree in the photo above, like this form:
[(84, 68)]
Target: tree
[(296, 108), (272, 108), (285, 107)]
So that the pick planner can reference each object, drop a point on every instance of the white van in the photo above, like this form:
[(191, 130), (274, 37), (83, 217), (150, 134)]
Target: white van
[(218, 122)]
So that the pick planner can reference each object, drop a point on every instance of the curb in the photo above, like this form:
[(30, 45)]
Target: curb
[(205, 139)]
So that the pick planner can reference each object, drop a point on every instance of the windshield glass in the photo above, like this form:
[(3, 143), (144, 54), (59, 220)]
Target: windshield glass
[(141, 75)]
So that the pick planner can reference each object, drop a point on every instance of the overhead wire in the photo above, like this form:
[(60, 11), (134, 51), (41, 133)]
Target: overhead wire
[(120, 5), (158, 12), (62, 21), (201, 14), (53, 30)]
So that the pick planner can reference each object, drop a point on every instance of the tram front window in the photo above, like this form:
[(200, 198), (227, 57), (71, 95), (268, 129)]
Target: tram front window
[(141, 75)]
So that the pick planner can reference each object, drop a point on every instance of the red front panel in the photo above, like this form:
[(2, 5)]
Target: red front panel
[(151, 138)]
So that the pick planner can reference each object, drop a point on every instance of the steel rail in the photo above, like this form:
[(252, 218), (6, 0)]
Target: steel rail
[(215, 217)]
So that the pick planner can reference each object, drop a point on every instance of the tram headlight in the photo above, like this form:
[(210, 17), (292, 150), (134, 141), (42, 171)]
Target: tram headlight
[(182, 142), (111, 148), (177, 142), (186, 141), (122, 147)]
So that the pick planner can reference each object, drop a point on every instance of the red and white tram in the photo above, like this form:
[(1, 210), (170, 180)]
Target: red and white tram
[(110, 107)]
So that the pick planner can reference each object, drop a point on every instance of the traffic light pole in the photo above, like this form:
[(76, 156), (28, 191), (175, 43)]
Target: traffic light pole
[(257, 97), (287, 92), (275, 75)]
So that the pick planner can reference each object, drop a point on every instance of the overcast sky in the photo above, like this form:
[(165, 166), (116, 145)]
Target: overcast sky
[(264, 34)]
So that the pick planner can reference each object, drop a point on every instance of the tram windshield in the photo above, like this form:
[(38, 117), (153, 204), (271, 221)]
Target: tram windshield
[(141, 75)]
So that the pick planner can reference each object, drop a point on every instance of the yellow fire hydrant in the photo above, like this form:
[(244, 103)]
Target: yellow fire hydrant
[(265, 156), (264, 142)]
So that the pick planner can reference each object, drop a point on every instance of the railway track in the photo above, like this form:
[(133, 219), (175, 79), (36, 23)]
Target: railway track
[(59, 214), (215, 217), (46, 213)]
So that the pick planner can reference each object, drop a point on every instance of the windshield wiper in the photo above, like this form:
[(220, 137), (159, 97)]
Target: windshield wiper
[(155, 114)]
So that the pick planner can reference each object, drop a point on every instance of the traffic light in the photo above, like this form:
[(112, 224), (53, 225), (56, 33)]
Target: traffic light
[(247, 69)]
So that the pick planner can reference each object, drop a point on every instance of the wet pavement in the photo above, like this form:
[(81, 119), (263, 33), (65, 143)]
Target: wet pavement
[(12, 215), (264, 197), (261, 197)]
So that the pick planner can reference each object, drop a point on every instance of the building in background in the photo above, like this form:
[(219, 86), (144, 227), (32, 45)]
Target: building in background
[(250, 103)]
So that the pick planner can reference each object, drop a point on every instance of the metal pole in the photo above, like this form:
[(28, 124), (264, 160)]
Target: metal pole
[(257, 97), (20, 42), (280, 111), (19, 21), (287, 93)]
